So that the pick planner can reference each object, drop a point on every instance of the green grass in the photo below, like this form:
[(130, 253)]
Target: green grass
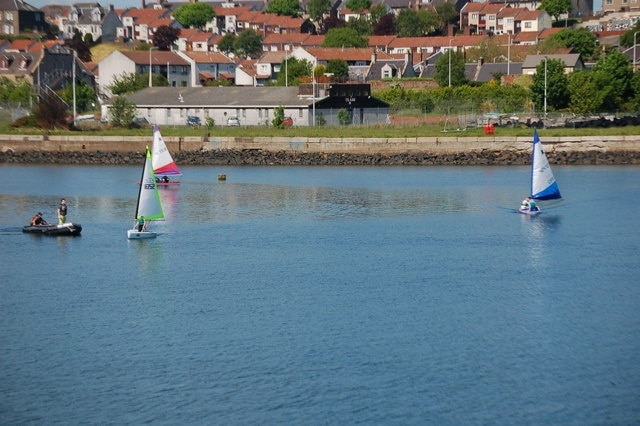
[(390, 131)]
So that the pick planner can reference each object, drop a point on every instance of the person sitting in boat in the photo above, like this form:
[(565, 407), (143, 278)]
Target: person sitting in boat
[(529, 204), (141, 224), (37, 219), (165, 179)]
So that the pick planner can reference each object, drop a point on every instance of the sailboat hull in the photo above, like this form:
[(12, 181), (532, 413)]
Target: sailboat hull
[(529, 212), (134, 234)]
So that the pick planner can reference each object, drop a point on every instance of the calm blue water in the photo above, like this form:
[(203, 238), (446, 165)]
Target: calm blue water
[(311, 295)]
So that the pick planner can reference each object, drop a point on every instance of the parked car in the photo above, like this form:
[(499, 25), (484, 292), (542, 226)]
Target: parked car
[(193, 120), (233, 121), (140, 122)]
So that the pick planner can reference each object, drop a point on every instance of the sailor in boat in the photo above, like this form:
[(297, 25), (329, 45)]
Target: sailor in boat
[(529, 204), (37, 219), (141, 224)]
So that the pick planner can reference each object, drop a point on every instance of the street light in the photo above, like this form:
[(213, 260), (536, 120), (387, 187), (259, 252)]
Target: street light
[(545, 87), (634, 50), (509, 56), (150, 49), (450, 62)]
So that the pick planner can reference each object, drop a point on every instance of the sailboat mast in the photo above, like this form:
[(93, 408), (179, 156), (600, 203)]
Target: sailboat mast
[(141, 183)]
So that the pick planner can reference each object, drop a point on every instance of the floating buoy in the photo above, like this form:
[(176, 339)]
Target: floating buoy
[(222, 177)]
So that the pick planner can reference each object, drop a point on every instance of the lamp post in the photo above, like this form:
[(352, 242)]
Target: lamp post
[(634, 50), (450, 62), (313, 97), (545, 87), (509, 56), (73, 73), (286, 70), (150, 49)]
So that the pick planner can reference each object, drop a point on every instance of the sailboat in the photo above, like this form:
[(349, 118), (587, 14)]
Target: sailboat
[(149, 206), (163, 164), (543, 183)]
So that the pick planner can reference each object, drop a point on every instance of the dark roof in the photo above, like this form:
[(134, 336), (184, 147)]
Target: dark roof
[(239, 97)]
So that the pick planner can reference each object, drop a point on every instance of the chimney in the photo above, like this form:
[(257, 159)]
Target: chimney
[(374, 56)]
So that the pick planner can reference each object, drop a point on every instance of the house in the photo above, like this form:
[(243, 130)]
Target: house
[(358, 59), (48, 65), (252, 105), (247, 73), (207, 67), (110, 24), (86, 19), (140, 24), (571, 61), (270, 63), (278, 42), (18, 17), (170, 64), (386, 66), (192, 39), (256, 105)]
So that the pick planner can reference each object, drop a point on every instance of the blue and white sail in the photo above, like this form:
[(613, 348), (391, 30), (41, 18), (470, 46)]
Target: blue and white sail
[(543, 183)]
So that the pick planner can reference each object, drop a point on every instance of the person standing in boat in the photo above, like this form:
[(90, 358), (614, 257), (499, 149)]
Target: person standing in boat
[(141, 224), (62, 211)]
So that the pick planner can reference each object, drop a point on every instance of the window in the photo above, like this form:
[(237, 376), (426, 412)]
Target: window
[(300, 112), (528, 25), (8, 16)]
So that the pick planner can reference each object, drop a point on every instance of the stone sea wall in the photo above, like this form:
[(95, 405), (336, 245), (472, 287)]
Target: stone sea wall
[(447, 150)]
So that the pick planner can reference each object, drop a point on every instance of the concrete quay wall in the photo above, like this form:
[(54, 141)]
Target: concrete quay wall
[(388, 146)]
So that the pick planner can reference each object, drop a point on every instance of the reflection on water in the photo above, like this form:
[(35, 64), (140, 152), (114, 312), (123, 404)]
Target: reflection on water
[(537, 231), (234, 201)]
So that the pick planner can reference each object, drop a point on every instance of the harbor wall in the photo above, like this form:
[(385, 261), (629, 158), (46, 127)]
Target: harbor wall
[(445, 144)]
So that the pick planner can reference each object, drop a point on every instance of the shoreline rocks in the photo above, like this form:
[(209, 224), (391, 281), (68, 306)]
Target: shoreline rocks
[(256, 157)]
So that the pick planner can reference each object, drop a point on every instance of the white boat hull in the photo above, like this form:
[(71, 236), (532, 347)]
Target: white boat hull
[(529, 212), (134, 234)]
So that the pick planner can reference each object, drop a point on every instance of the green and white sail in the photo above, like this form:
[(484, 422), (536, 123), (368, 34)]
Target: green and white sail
[(149, 204)]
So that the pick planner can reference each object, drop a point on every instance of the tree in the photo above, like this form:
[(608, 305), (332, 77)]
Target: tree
[(165, 36), (12, 92), (344, 37), (358, 5), (330, 22), (416, 23), (131, 82), (284, 7), (626, 39), (194, 15), (446, 15), (386, 25), (248, 43), (122, 112), (450, 64), (81, 48), (635, 87), (580, 40), (295, 68), (362, 25), (51, 111), (338, 67), (377, 12), (584, 94), (613, 74), (317, 8), (85, 96), (227, 43), (556, 8), (278, 117), (554, 82)]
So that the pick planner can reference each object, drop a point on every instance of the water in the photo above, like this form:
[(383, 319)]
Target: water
[(322, 296)]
